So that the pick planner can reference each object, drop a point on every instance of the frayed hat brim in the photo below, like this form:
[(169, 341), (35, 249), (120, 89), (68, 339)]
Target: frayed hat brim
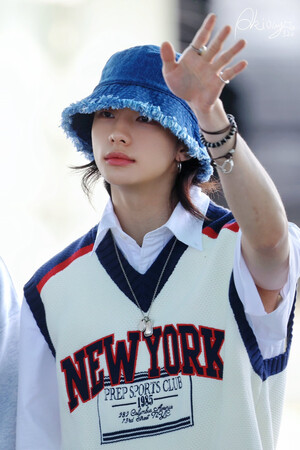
[(77, 119)]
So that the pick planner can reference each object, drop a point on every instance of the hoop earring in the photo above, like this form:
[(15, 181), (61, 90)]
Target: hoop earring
[(179, 167)]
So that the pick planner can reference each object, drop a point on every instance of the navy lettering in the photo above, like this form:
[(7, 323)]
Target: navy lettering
[(93, 352), (184, 347), (76, 379), (170, 335), (152, 345), (122, 360), (213, 341), (191, 365)]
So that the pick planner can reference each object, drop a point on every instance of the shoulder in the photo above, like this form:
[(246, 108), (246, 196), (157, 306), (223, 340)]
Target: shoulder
[(63, 259), (33, 289), (217, 219)]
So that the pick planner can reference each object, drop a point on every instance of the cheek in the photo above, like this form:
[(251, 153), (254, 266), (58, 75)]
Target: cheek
[(99, 162), (97, 133), (164, 150), (97, 144), (94, 136)]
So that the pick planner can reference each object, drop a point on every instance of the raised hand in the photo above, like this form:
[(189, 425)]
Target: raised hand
[(196, 78)]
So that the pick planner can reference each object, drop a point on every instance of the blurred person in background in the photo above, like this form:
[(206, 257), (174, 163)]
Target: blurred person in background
[(9, 340), (168, 324)]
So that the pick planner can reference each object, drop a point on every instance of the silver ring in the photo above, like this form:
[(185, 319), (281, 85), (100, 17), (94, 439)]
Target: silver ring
[(222, 79), (200, 50)]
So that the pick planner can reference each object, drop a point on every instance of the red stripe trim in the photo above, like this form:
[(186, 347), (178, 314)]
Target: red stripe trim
[(61, 266), (210, 232), (232, 226)]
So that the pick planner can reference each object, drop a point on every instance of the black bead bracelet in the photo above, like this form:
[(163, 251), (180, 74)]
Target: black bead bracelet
[(232, 131)]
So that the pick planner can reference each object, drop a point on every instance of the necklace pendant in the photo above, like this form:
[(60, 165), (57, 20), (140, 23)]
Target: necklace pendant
[(142, 325), (146, 327), (149, 329)]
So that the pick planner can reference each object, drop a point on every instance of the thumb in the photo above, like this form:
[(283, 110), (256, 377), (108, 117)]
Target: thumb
[(168, 57)]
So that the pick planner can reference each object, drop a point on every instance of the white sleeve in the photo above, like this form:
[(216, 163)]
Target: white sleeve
[(270, 329), (9, 337), (38, 422)]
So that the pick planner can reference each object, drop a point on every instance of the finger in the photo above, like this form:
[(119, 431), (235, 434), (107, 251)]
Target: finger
[(203, 34), (168, 56), (227, 56), (230, 73), (217, 43)]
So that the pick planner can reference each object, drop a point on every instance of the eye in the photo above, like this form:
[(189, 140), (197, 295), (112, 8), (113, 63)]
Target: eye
[(105, 113), (144, 119)]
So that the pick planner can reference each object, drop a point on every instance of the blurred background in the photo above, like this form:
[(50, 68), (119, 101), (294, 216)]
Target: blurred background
[(52, 53)]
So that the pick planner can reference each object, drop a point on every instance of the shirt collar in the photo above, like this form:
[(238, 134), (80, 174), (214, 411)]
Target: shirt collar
[(186, 227)]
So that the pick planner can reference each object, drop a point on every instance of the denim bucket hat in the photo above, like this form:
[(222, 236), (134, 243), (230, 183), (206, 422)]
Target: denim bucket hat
[(133, 79)]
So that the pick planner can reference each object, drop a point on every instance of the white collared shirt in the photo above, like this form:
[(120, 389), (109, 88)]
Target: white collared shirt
[(187, 229)]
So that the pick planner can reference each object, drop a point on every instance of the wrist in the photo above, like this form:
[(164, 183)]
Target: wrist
[(211, 119)]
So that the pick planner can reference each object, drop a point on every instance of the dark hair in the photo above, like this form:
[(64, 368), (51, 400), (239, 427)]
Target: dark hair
[(184, 181)]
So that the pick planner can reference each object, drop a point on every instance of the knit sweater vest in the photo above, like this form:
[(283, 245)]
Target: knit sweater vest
[(200, 382)]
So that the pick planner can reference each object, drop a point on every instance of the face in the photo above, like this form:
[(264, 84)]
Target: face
[(131, 150)]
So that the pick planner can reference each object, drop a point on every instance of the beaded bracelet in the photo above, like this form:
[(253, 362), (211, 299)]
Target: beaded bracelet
[(232, 131), (228, 159)]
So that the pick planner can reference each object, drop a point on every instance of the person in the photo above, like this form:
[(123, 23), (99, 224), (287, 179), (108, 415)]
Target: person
[(9, 334), (169, 324)]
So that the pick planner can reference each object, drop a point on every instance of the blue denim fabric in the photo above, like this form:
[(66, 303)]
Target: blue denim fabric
[(133, 79)]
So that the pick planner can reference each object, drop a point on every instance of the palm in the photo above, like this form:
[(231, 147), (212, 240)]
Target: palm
[(193, 81), (195, 78)]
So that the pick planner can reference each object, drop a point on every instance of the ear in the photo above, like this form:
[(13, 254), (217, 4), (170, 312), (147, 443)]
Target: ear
[(182, 153)]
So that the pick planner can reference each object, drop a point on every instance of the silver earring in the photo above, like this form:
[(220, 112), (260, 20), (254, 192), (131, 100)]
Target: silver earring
[(179, 167)]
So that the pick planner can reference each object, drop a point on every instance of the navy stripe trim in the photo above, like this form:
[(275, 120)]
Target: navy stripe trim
[(31, 292), (143, 285), (217, 217), (37, 308), (83, 241), (263, 367), (147, 431)]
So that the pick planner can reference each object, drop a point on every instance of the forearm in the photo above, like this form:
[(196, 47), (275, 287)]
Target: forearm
[(248, 189), (255, 203)]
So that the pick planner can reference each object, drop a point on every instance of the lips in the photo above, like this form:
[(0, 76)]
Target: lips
[(118, 159)]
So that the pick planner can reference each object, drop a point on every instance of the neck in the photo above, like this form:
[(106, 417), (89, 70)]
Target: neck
[(141, 212)]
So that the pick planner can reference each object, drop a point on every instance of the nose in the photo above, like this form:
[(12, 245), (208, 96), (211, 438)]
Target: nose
[(120, 133), (117, 138)]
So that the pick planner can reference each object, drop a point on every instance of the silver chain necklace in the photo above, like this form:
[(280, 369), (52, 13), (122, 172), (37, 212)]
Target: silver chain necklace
[(145, 324)]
